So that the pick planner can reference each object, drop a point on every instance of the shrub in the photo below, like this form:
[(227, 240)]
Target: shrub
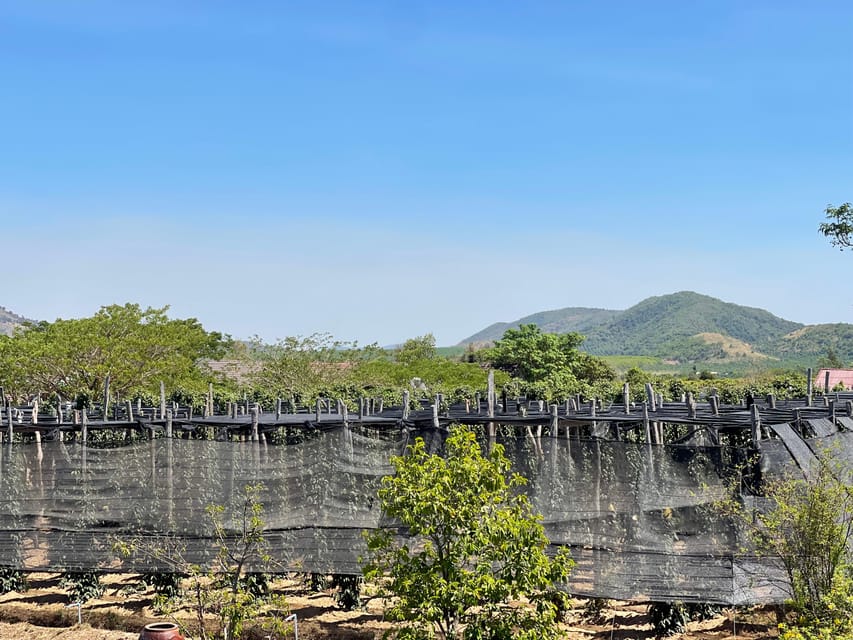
[(82, 586), (668, 618), (347, 591), (474, 547), (12, 580)]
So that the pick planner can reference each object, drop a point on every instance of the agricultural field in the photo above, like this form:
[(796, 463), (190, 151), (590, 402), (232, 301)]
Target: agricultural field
[(40, 613)]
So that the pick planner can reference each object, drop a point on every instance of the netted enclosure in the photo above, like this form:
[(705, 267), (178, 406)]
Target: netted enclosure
[(641, 518)]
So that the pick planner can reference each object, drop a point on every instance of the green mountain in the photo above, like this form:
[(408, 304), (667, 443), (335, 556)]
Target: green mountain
[(814, 341), (580, 319), (655, 325), (688, 327), (9, 320)]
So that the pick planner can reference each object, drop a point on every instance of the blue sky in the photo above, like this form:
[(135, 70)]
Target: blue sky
[(379, 170)]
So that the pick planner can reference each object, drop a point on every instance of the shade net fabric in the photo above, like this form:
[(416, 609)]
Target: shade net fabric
[(639, 519)]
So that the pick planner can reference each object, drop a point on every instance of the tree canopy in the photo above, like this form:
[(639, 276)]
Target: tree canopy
[(474, 547), (551, 364), (416, 349), (137, 348), (839, 229)]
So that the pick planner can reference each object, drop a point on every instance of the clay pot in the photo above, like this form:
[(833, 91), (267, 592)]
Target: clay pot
[(161, 631)]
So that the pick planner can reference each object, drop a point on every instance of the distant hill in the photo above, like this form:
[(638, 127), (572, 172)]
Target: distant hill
[(9, 320), (653, 325), (580, 319), (690, 327)]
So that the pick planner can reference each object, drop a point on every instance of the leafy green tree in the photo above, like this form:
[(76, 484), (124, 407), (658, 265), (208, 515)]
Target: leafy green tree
[(135, 347), (550, 363), (416, 349), (474, 547), (301, 366), (839, 229)]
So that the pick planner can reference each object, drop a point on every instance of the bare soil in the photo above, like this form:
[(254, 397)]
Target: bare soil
[(41, 614)]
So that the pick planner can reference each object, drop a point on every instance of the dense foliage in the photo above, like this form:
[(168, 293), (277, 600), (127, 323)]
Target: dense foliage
[(475, 547), (135, 348), (549, 365)]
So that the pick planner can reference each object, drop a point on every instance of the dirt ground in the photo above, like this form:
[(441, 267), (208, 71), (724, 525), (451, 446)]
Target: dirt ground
[(41, 614)]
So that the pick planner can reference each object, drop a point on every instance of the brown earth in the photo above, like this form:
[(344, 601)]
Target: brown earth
[(41, 614)]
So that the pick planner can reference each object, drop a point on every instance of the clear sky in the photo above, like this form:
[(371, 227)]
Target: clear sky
[(380, 170)]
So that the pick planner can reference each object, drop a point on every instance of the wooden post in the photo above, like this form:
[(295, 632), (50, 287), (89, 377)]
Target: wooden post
[(36, 412), (84, 429), (405, 405), (162, 399), (492, 400), (477, 401), (592, 413), (771, 401), (646, 425), (555, 421), (626, 397), (755, 420), (826, 382), (691, 405), (210, 399), (344, 413), (849, 405), (11, 430), (505, 401), (361, 409), (650, 397), (317, 410), (106, 404), (255, 420), (491, 394), (435, 422), (715, 406), (809, 387), (278, 409), (168, 423)]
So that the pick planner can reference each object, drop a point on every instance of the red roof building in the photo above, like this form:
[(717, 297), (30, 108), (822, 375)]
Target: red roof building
[(836, 376)]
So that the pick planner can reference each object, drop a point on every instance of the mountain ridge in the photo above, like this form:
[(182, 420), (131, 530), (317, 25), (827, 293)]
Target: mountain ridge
[(688, 327)]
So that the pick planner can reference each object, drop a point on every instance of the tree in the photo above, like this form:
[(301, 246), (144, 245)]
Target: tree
[(136, 348), (301, 366), (808, 526), (223, 589), (550, 363), (839, 229), (473, 549), (417, 349)]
